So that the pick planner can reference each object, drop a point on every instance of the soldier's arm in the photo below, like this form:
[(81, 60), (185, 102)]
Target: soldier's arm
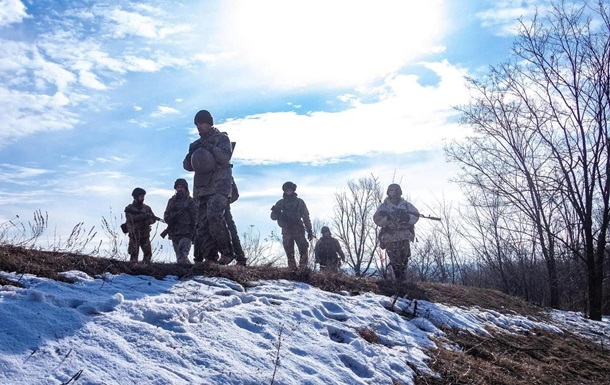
[(414, 213), (338, 250), (381, 217), (276, 211), (166, 214), (223, 150), (305, 217)]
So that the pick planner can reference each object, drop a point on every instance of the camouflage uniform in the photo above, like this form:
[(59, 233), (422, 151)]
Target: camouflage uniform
[(181, 215), (292, 216), (139, 217), (327, 252), (211, 194), (397, 219), (240, 256)]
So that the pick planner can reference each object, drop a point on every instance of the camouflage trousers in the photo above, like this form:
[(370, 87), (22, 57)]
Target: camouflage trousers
[(399, 253), (212, 233), (289, 238), (235, 241), (137, 241), (182, 247)]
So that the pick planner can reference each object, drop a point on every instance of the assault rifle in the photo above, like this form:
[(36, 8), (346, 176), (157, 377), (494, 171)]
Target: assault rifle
[(124, 225), (429, 217)]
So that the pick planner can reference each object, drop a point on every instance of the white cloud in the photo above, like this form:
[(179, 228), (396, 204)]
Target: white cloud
[(22, 112), (11, 12), (147, 22), (164, 110), (12, 173), (404, 117)]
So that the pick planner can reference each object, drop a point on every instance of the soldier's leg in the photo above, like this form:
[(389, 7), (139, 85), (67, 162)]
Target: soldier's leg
[(288, 243), (133, 249), (146, 249), (235, 241), (405, 254), (303, 246), (394, 251), (184, 246), (218, 229), (199, 230)]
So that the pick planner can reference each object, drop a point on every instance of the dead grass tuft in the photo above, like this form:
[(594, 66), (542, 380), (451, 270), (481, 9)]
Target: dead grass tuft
[(368, 334)]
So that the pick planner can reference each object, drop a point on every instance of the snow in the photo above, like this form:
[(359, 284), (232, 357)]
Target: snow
[(122, 329)]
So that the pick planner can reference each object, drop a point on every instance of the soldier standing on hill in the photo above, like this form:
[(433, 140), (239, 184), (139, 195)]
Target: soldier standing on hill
[(292, 216), (180, 216), (210, 158), (397, 219), (139, 217), (327, 252)]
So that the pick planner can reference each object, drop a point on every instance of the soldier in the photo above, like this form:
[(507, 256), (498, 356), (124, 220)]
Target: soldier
[(292, 216), (180, 216), (210, 158), (327, 252), (138, 218), (397, 219)]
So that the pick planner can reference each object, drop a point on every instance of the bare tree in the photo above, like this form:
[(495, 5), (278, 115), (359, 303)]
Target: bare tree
[(541, 137), (259, 251), (353, 221)]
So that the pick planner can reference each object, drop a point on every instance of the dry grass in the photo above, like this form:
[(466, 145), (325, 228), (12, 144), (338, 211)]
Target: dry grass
[(462, 358)]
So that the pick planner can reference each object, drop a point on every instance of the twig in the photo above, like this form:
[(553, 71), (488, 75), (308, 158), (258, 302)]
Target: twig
[(74, 377)]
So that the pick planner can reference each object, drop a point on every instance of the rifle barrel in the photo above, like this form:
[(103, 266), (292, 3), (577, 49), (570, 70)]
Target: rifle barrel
[(429, 217)]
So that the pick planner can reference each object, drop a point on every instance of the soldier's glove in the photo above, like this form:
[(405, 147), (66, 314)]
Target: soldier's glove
[(309, 235), (209, 146)]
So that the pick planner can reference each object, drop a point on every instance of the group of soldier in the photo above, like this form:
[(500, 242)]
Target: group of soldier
[(205, 220)]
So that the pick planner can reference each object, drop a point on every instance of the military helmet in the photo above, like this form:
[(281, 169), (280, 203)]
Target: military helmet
[(289, 185), (137, 192), (325, 229), (396, 186), (204, 116), (203, 161), (181, 182)]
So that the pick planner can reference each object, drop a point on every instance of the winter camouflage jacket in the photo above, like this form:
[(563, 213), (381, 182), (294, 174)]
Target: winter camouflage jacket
[(139, 217), (397, 220), (326, 251), (219, 180), (291, 213), (180, 216)]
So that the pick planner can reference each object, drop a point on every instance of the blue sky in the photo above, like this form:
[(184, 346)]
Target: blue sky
[(98, 97)]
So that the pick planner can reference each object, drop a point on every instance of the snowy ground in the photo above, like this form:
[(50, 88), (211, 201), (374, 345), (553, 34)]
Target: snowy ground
[(139, 330)]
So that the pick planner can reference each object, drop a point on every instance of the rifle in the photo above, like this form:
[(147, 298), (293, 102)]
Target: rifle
[(172, 221), (124, 225), (429, 217)]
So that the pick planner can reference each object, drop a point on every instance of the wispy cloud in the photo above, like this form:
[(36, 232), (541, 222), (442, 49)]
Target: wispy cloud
[(503, 17)]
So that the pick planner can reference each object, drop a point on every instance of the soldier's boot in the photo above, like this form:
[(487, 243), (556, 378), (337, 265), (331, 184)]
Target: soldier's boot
[(292, 263), (226, 259), (241, 260), (303, 262), (133, 258)]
